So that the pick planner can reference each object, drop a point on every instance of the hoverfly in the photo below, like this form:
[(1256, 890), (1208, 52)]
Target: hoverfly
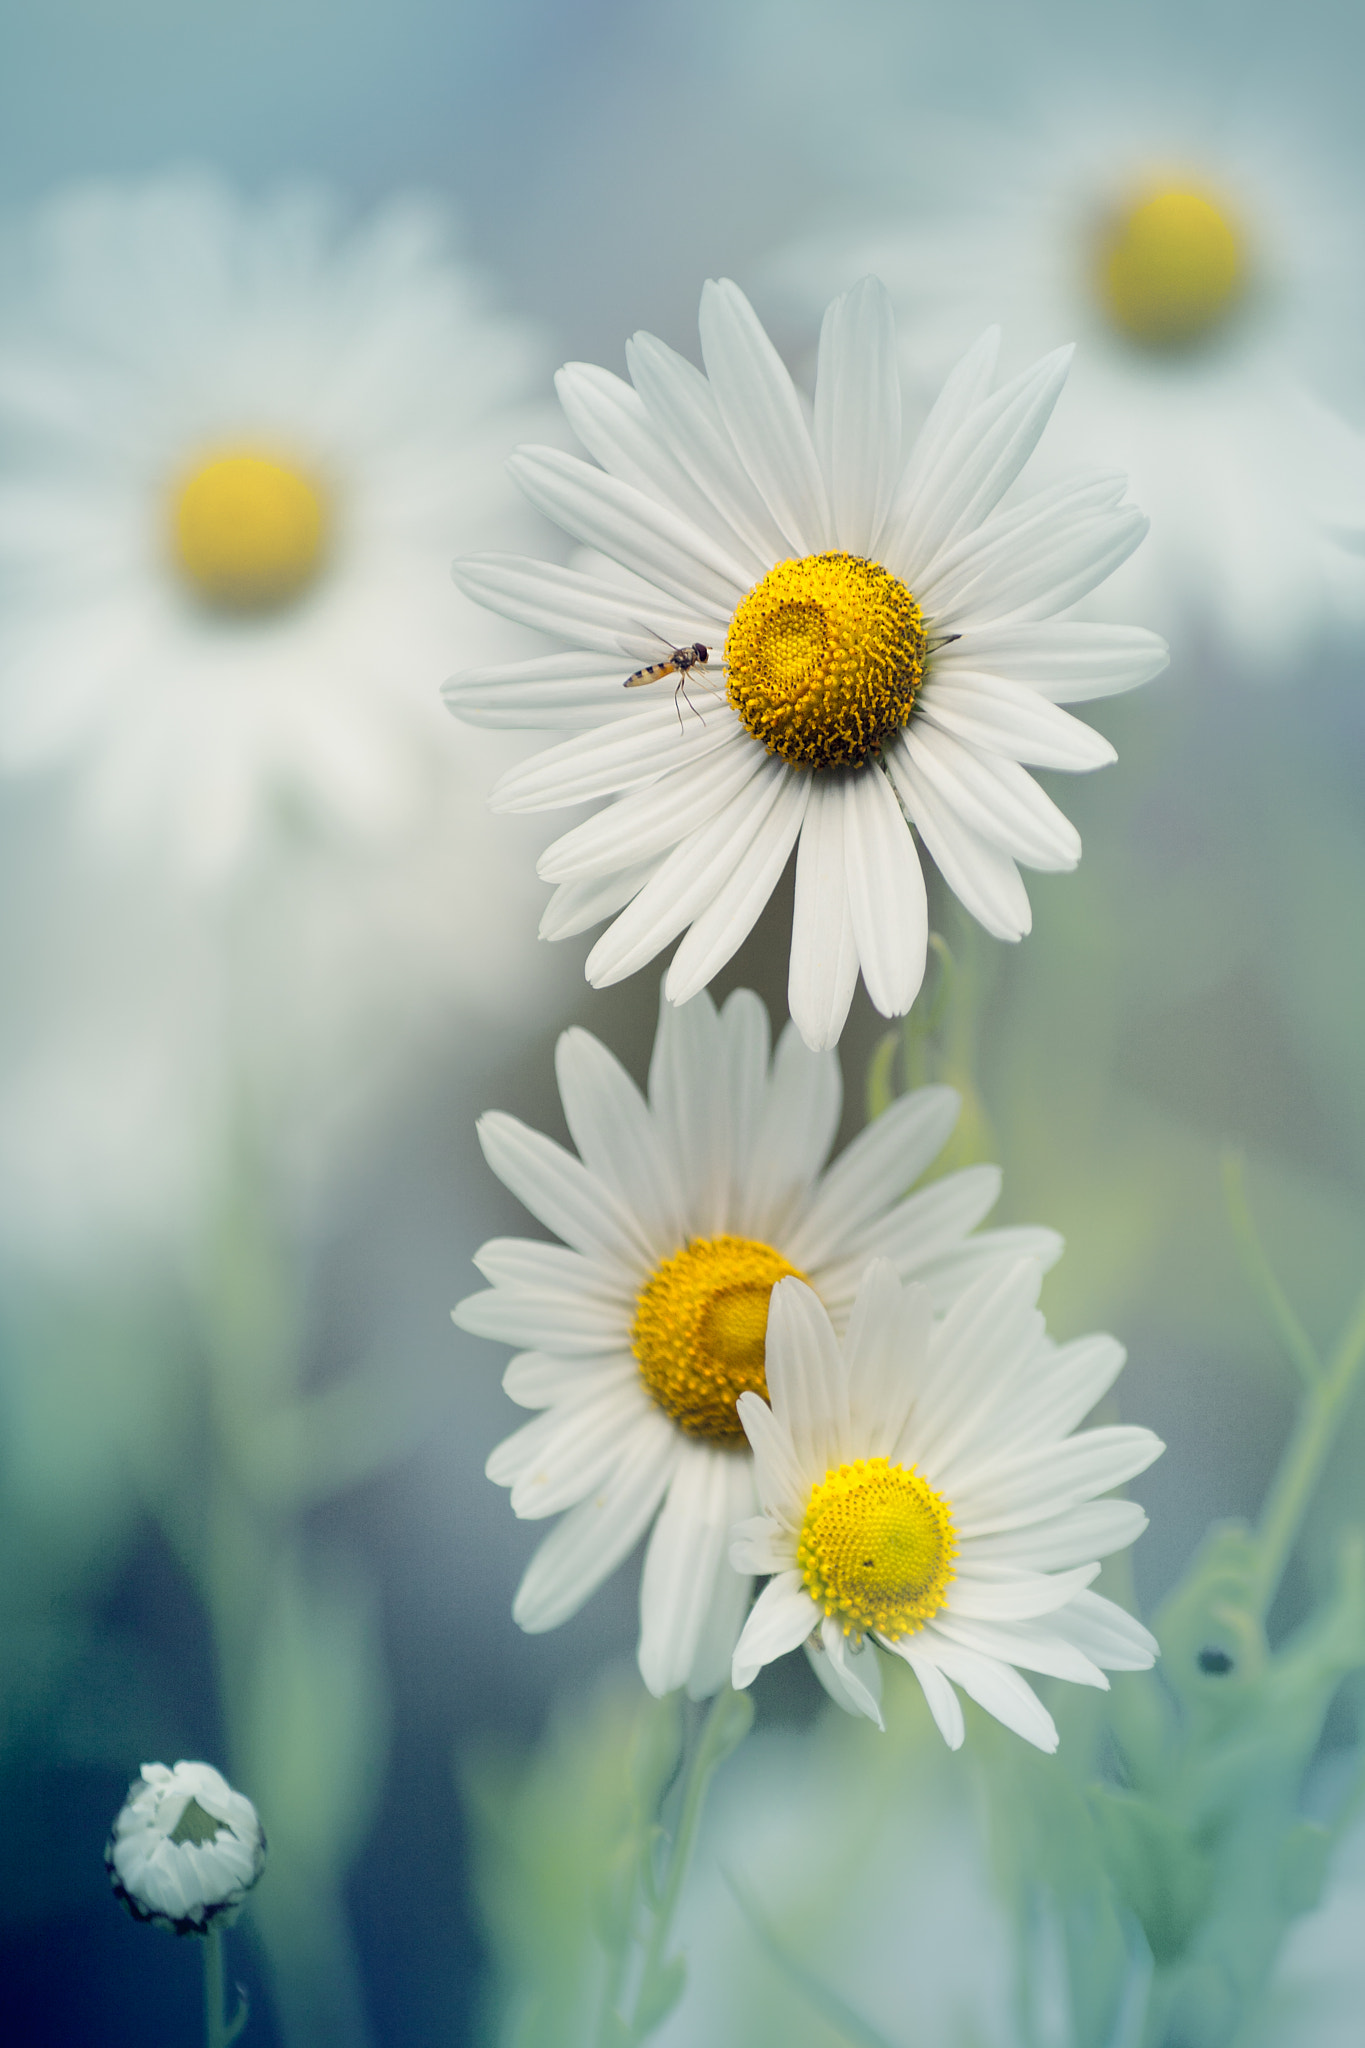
[(680, 662)]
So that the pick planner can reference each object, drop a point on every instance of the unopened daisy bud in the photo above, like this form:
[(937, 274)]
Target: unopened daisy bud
[(185, 1847)]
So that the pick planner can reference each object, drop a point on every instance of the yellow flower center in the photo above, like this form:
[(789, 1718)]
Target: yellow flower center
[(824, 658), (249, 534), (701, 1323), (1172, 267), (876, 1548)]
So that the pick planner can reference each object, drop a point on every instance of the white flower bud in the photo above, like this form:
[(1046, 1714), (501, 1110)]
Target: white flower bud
[(185, 1847)]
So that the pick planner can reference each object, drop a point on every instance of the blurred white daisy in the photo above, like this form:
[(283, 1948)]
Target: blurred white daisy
[(888, 644), (185, 1848), (678, 1217), (1213, 280), (241, 443), (922, 1489)]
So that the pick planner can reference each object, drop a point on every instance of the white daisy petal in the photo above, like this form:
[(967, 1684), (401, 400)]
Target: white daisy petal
[(562, 1194), (717, 932), (652, 820), (1106, 1634), (625, 754), (684, 1560), (578, 1326), (796, 1129), (537, 1379), (852, 1677), (1064, 660), (1093, 1529), (689, 879), (763, 416), (552, 690), (778, 1471), (585, 1547), (1034, 559), (913, 1233), (581, 608), (614, 424), (548, 1268), (824, 954), (1020, 1643), (760, 1544), (975, 467), (964, 389), (616, 1137), (578, 906), (980, 874), (1009, 719), (568, 1450), (782, 1616), (748, 1055), (996, 798), (691, 1111), (872, 1174), (858, 413), (806, 1385), (886, 1347), (983, 1593), (1012, 1495), (886, 898), (730, 1600), (942, 1701), (651, 539), (683, 410), (952, 1272), (993, 1685)]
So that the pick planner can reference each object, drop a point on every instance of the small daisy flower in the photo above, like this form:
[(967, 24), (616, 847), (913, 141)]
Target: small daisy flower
[(241, 442), (185, 1848), (923, 1489), (1210, 271), (643, 1327), (886, 650)]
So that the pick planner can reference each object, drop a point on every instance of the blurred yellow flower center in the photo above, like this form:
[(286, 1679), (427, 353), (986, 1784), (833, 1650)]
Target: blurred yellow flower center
[(824, 658), (249, 534), (876, 1548), (1172, 267), (701, 1323)]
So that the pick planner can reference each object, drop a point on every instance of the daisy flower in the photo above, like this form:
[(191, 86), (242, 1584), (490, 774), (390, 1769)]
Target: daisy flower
[(185, 1847), (886, 637), (1210, 270), (924, 1489), (241, 441), (677, 1219)]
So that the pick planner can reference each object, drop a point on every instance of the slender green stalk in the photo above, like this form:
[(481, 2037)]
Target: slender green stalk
[(1291, 1490), (727, 1722), (215, 2026), (1294, 1337)]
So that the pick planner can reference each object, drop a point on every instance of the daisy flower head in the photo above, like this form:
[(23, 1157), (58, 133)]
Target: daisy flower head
[(643, 1326), (241, 440), (185, 1848), (1207, 263), (886, 652), (924, 1489)]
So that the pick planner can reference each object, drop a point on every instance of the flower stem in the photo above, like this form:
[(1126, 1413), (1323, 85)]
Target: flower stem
[(1321, 1407), (215, 2028), (660, 1985)]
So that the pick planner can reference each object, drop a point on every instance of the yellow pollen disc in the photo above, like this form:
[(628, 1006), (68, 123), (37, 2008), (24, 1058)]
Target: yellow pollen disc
[(248, 534), (701, 1323), (876, 1548), (824, 658), (1172, 267)]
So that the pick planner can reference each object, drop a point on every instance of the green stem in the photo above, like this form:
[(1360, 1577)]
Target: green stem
[(727, 1722), (215, 2027), (1310, 1443)]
